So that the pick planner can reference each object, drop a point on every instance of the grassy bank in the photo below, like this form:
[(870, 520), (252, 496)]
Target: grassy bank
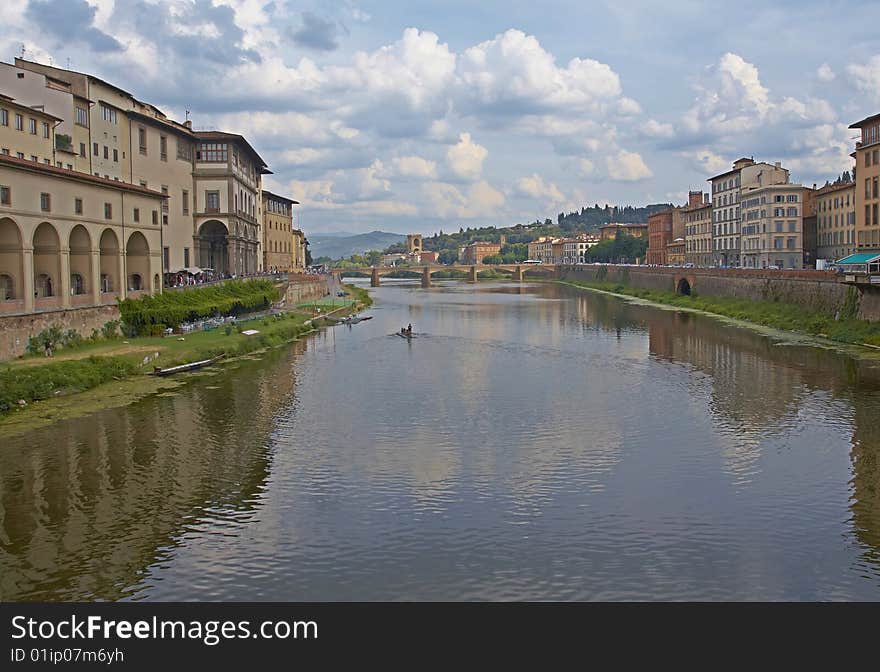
[(360, 294), (83, 368), (784, 316)]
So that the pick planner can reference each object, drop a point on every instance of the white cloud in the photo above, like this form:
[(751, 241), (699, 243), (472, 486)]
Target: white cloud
[(585, 167), (465, 159), (627, 167), (534, 186), (479, 200), (824, 73), (414, 166), (866, 77)]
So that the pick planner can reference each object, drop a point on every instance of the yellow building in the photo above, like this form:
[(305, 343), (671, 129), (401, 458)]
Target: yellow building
[(278, 238), (836, 221), (698, 231), (26, 132), (68, 239), (299, 250), (867, 157)]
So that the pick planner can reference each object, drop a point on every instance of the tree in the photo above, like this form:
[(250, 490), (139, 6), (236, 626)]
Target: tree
[(448, 256), (309, 256)]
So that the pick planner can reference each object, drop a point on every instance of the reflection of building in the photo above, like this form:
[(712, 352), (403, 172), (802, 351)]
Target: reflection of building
[(836, 221), (867, 157)]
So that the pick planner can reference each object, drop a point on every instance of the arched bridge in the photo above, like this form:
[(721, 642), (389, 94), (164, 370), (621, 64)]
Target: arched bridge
[(516, 270)]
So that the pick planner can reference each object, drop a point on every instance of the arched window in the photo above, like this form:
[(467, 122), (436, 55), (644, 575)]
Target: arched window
[(136, 282), (106, 283), (44, 285), (156, 281), (77, 284), (7, 288)]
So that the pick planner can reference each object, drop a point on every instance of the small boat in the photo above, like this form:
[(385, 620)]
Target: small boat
[(405, 335), (191, 366)]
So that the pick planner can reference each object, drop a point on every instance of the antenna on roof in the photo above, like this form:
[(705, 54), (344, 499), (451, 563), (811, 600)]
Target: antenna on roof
[(23, 50), (68, 62), (187, 115)]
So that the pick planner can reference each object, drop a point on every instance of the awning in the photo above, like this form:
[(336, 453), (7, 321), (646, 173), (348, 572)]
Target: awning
[(859, 258)]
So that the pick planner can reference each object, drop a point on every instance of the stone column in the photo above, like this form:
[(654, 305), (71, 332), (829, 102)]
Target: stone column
[(95, 280), (64, 284), (518, 274), (472, 274), (426, 277), (374, 278), (28, 279), (122, 280)]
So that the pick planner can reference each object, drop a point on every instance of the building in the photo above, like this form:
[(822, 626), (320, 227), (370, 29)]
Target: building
[(610, 231), (26, 132), (541, 249), (277, 226), (867, 173), (69, 239), (772, 232), (659, 236), (475, 252), (697, 216), (298, 257), (725, 214), (835, 221), (393, 259), (213, 211), (676, 252), (426, 257), (574, 250)]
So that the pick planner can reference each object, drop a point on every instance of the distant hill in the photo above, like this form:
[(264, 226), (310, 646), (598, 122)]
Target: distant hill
[(342, 247)]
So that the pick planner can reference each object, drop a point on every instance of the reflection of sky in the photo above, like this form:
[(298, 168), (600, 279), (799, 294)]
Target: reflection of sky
[(528, 446)]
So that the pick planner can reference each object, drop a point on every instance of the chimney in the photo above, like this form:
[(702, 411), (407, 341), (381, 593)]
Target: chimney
[(778, 164), (189, 124)]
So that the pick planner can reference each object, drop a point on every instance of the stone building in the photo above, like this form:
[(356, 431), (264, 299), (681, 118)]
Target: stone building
[(836, 221), (475, 252), (697, 215), (659, 236), (867, 156), (610, 231), (279, 243), (772, 231)]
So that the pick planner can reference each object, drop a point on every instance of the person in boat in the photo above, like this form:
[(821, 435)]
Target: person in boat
[(409, 330)]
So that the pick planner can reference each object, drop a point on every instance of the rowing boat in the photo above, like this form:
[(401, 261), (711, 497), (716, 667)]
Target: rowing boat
[(191, 366)]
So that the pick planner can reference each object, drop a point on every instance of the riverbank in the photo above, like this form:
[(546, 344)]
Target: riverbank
[(779, 316), (112, 373)]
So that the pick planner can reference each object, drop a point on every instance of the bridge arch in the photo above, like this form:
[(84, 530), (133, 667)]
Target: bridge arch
[(683, 287)]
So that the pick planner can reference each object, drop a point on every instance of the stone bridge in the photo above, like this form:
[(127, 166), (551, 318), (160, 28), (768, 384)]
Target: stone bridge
[(516, 270)]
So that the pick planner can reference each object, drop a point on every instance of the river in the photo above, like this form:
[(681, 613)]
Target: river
[(532, 442)]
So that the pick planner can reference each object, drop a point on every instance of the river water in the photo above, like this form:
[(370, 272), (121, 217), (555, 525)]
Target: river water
[(531, 442)]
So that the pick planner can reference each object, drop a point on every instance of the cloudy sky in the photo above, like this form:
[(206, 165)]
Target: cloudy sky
[(417, 116)]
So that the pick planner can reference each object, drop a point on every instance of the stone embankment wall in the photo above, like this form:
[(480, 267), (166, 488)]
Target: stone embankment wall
[(302, 288), (15, 330), (818, 291)]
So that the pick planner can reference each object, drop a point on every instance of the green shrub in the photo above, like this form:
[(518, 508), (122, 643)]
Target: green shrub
[(227, 329), (173, 308), (110, 329)]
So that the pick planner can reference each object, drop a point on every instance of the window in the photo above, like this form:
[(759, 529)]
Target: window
[(45, 202), (4, 117), (136, 215), (5, 196), (184, 150), (792, 198), (155, 217), (874, 156), (82, 116), (35, 158), (95, 149), (116, 155), (32, 126), (186, 257), (212, 152), (166, 258), (163, 148), (142, 140), (185, 201), (106, 152), (212, 201), (792, 212), (5, 150), (109, 114), (19, 122), (45, 129), (82, 149), (876, 192), (78, 206), (108, 211)]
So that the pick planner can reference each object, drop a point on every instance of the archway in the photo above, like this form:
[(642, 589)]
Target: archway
[(683, 288), (109, 245), (80, 260), (137, 259), (11, 261), (213, 246), (47, 261)]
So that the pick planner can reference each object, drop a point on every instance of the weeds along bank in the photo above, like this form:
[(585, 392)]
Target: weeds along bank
[(78, 364), (842, 326)]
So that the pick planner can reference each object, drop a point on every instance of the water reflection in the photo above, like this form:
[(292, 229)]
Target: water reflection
[(535, 442)]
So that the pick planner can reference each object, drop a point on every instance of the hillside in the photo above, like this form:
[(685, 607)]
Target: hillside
[(342, 247)]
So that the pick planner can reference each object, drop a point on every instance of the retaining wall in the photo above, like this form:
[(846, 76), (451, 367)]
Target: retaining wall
[(15, 330)]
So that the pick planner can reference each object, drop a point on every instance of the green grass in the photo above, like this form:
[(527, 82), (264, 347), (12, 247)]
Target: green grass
[(783, 316), (38, 378), (360, 294)]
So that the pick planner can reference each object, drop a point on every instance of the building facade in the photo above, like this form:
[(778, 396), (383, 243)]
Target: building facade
[(69, 239), (836, 221), (867, 156), (772, 234), (277, 226), (659, 236), (610, 231), (697, 218), (299, 250), (477, 251)]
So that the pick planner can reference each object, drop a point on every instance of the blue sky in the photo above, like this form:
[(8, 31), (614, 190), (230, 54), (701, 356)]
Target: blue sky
[(417, 116)]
